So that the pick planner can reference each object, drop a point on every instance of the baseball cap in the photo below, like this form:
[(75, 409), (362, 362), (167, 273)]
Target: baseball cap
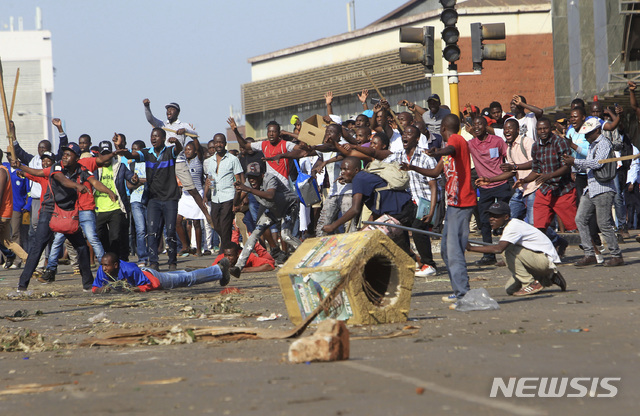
[(73, 147), (590, 125), (48, 155), (174, 105), (499, 208), (253, 169), (434, 97), (105, 147)]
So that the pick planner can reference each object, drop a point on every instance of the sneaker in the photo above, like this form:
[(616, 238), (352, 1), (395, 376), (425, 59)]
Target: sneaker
[(9, 262), (599, 258), (184, 253), (614, 261), (224, 266), (16, 266), (172, 267), (154, 266), (450, 299), (142, 264), (530, 289), (49, 276), (561, 247), (486, 261), (587, 261), (624, 232), (206, 253), (37, 274), (76, 272), (426, 270), (234, 271), (558, 279)]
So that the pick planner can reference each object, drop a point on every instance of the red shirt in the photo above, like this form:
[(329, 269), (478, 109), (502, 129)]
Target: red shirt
[(457, 170), (262, 258), (86, 201), (279, 168), (488, 155)]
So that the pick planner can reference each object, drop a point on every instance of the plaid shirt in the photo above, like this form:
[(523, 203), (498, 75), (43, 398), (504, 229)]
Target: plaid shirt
[(598, 150), (547, 158), (418, 183)]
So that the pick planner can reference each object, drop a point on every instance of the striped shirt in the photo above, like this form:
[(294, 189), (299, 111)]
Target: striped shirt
[(418, 183)]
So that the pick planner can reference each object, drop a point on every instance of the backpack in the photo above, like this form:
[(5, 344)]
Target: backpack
[(397, 179)]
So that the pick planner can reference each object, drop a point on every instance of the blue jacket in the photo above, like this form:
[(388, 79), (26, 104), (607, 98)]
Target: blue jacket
[(127, 271)]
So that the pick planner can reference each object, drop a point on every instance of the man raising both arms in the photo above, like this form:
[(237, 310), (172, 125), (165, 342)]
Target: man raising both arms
[(184, 134)]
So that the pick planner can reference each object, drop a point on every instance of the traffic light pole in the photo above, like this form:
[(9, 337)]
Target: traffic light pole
[(453, 89)]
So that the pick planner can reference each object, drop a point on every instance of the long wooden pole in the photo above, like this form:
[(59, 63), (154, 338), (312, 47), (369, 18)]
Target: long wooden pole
[(6, 114), (617, 159), (13, 98), (173, 131), (382, 98)]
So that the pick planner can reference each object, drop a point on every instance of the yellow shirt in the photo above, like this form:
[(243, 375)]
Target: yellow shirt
[(103, 202)]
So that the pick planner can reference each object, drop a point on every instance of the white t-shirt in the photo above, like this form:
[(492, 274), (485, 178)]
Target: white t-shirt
[(395, 142), (520, 233), (528, 126)]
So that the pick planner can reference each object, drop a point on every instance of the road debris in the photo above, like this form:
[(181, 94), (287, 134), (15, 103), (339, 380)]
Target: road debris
[(271, 317), (329, 343)]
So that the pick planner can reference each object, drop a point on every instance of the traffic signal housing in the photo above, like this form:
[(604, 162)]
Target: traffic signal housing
[(450, 34), (418, 54), (489, 52)]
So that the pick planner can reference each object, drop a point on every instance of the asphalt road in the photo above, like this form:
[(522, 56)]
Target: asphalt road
[(441, 362)]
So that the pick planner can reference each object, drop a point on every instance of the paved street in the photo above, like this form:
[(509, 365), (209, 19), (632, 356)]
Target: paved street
[(441, 362)]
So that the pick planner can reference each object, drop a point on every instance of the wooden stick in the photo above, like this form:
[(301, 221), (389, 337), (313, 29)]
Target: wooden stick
[(6, 115), (617, 159), (13, 99), (173, 131), (382, 98)]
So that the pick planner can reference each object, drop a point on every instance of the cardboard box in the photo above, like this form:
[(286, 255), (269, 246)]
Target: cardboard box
[(312, 131), (378, 277)]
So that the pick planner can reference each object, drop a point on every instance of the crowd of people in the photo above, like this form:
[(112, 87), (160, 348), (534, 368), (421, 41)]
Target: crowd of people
[(517, 174)]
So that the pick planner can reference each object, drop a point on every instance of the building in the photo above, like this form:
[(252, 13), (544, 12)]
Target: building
[(294, 80), (29, 50)]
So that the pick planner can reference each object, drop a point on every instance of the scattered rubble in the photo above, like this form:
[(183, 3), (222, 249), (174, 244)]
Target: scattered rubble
[(329, 343)]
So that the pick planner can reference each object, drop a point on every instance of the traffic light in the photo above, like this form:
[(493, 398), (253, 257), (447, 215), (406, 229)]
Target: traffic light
[(491, 51), (450, 33), (417, 54)]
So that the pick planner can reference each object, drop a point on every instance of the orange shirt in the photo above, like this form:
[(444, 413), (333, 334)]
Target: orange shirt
[(6, 204)]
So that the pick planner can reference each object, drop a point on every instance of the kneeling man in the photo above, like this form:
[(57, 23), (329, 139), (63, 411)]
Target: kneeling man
[(529, 254)]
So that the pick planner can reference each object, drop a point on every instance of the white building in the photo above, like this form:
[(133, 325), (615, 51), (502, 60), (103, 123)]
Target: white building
[(30, 51)]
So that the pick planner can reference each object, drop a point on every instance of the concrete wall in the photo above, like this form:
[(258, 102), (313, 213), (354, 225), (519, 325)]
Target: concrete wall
[(31, 52)]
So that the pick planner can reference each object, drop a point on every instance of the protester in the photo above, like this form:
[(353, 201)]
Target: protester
[(261, 261), (455, 163), (183, 133), (222, 169), (66, 180), (528, 253), (164, 193), (598, 196), (11, 249), (189, 214), (139, 198), (279, 203), (112, 271)]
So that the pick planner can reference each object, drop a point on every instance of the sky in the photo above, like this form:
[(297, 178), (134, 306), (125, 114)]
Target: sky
[(110, 55)]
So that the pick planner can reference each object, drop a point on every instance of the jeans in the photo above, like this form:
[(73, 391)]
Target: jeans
[(42, 238), (331, 207), (266, 220), (139, 213), (600, 207), (88, 225), (522, 209), (33, 225), (487, 197), (618, 201), (455, 236), (159, 213), (181, 278), (251, 216)]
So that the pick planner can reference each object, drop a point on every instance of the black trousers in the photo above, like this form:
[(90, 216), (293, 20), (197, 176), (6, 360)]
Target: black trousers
[(112, 228), (487, 197), (222, 216), (42, 238)]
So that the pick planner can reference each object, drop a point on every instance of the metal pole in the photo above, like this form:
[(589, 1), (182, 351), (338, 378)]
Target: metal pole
[(419, 231)]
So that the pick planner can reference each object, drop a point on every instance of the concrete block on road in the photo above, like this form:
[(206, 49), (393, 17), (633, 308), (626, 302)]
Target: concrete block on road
[(329, 343)]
